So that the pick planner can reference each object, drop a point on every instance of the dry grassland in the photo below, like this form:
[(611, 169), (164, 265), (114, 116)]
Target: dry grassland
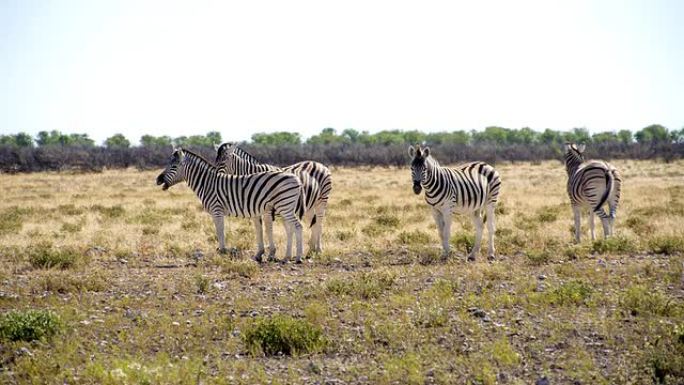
[(137, 294)]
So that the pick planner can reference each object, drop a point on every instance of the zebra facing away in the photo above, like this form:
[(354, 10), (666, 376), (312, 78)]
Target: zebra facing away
[(471, 188), (247, 196), (316, 185), (591, 185)]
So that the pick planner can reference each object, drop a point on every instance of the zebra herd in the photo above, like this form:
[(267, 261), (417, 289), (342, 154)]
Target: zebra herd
[(238, 184)]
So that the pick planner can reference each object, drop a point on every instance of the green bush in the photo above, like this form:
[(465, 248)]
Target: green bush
[(538, 257), (639, 299), (463, 241), (283, 335), (666, 245), (365, 285), (614, 245), (570, 293), (47, 257), (29, 325)]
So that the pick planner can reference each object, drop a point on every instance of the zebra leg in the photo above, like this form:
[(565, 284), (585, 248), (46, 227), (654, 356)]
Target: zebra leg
[(591, 226), (298, 239), (259, 238), (218, 223), (576, 212), (477, 221), (446, 230), (308, 217), (440, 228), (318, 226), (268, 224), (491, 229)]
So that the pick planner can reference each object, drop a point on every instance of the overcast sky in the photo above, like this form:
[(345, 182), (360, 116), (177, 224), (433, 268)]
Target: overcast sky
[(183, 68)]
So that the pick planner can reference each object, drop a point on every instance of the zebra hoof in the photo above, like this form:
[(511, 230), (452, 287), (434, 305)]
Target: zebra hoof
[(222, 250), (298, 261), (258, 256), (234, 252), (491, 257), (471, 257)]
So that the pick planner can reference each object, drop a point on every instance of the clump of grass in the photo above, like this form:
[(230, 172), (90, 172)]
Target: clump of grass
[(640, 300), (504, 354), (12, 219), (381, 224), (666, 358), (416, 237), (538, 257), (70, 209), (46, 257), (548, 214), (431, 315), (668, 244), (246, 268), (570, 293), (29, 325), (345, 235), (109, 212), (614, 245), (150, 230), (62, 282), (639, 225), (463, 241), (285, 335), (202, 283), (406, 369), (366, 285), (72, 227), (577, 251)]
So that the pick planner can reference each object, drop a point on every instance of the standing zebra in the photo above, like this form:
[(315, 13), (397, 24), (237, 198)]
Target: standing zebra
[(247, 196), (591, 184), (471, 188), (316, 185)]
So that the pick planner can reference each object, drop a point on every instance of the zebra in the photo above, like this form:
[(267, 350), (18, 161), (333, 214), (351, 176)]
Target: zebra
[(316, 184), (471, 188), (591, 185), (246, 196)]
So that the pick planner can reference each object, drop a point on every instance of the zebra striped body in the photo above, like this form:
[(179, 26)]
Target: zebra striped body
[(471, 188), (591, 185), (247, 196), (315, 178)]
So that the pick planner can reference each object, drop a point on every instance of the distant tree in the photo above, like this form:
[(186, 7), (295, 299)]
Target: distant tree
[(605, 137), (208, 140), (654, 133), (492, 134), (524, 135), (55, 137), (625, 136), (214, 137), (21, 139), (117, 141), (327, 136), (550, 136), (454, 137), (155, 141), (578, 135), (350, 135), (677, 135), (277, 138)]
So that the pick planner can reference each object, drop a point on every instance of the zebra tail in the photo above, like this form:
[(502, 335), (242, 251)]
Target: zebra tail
[(610, 181)]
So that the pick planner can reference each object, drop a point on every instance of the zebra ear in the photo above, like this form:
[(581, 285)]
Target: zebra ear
[(426, 152), (581, 148), (216, 146), (567, 146), (411, 151)]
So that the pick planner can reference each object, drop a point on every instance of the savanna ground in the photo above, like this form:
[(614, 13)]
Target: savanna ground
[(136, 293)]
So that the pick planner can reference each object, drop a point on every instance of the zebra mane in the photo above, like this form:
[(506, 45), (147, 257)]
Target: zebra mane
[(240, 152), (197, 158)]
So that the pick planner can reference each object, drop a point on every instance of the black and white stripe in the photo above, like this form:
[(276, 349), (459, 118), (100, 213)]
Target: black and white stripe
[(471, 188), (316, 185), (591, 185), (247, 196)]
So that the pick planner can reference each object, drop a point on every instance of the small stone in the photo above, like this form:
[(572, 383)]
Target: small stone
[(175, 323), (542, 381), (541, 277), (23, 351)]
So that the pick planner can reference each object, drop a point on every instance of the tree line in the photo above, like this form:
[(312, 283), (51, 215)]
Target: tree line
[(55, 150)]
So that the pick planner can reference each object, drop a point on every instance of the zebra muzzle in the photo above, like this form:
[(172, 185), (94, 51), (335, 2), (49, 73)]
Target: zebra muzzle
[(417, 188), (160, 180)]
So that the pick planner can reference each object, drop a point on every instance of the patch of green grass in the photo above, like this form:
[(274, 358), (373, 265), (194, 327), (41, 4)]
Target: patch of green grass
[(46, 257), (72, 227), (345, 235), (285, 335), (387, 220), (504, 354), (29, 325), (463, 241), (547, 214), (570, 293), (668, 245), (577, 251), (614, 245), (639, 225), (416, 237), (110, 212), (365, 285), (538, 257), (640, 300), (62, 282), (405, 369), (12, 219), (203, 284), (70, 209), (243, 268)]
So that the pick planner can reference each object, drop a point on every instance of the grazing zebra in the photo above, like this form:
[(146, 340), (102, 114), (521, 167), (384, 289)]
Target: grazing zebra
[(471, 188), (316, 184), (247, 196), (591, 184)]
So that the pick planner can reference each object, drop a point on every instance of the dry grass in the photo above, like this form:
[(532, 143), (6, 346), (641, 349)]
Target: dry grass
[(132, 273)]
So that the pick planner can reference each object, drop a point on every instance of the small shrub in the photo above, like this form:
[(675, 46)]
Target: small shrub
[(463, 241), (12, 220), (247, 268), (29, 325), (416, 237), (504, 354), (538, 257), (666, 245), (72, 227), (109, 212), (344, 235), (62, 282), (406, 369), (387, 220), (577, 251), (150, 230), (203, 284), (547, 214), (46, 257), (70, 209), (614, 245), (365, 285), (638, 299), (283, 335), (570, 293), (639, 225)]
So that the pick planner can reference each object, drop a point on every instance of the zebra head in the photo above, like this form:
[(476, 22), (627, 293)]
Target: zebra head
[(223, 155), (172, 174), (418, 169)]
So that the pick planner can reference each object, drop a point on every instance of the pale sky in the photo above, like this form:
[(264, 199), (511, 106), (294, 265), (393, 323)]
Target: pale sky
[(183, 68)]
